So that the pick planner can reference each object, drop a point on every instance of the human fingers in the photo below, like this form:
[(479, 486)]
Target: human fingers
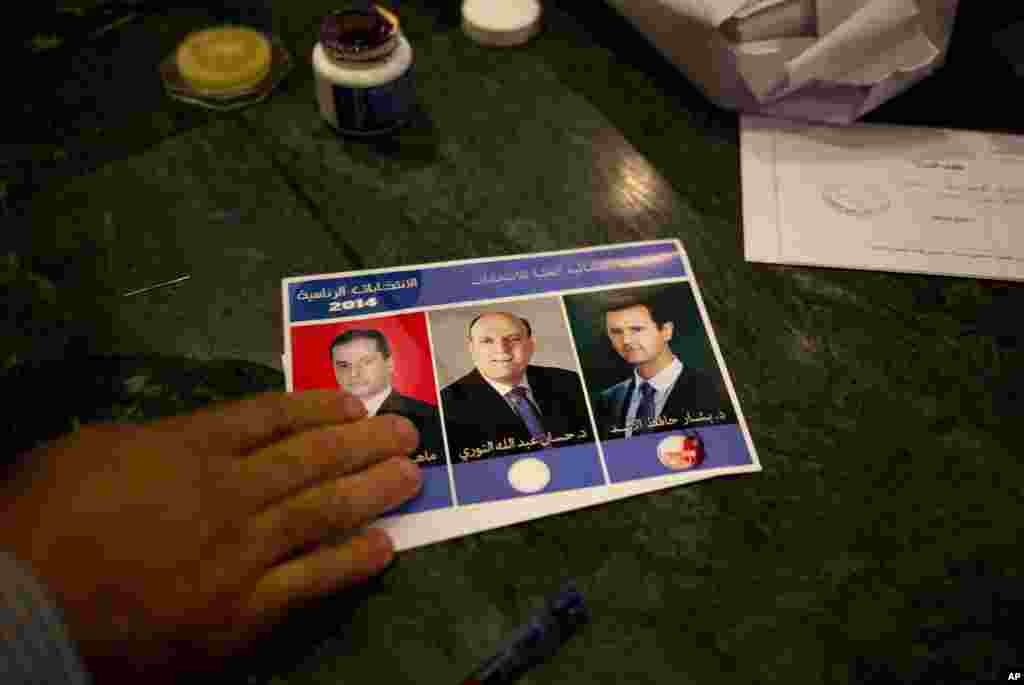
[(346, 503), (325, 569), (242, 426), (285, 467)]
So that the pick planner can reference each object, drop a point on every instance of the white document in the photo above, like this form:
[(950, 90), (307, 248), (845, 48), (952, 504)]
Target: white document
[(888, 198)]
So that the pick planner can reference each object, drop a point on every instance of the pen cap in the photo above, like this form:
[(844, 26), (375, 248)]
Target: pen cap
[(536, 640), (568, 609)]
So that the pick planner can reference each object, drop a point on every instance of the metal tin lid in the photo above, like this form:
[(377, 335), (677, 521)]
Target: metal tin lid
[(501, 23), (224, 60), (359, 34)]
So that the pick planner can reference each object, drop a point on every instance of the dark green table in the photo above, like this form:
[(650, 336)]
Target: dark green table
[(881, 542)]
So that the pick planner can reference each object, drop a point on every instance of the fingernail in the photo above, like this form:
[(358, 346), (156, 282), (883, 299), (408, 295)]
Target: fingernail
[(382, 548), (410, 472), (379, 552), (407, 434), (353, 406)]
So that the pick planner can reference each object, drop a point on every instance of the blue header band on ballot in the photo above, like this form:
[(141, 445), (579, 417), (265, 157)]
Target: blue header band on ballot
[(332, 298)]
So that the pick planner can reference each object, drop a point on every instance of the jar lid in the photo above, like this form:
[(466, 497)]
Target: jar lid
[(224, 59), (359, 34), (501, 22)]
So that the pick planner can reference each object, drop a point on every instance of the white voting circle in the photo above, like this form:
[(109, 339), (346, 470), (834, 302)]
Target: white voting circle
[(529, 475), (501, 22)]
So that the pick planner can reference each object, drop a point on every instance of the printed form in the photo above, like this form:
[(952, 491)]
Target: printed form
[(888, 198)]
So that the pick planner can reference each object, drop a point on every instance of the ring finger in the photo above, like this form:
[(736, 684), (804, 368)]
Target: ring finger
[(342, 504)]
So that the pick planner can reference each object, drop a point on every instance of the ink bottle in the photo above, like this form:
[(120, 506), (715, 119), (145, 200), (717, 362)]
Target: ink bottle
[(363, 66)]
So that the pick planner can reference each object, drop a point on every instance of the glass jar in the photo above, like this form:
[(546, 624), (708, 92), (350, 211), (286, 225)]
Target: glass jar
[(363, 67)]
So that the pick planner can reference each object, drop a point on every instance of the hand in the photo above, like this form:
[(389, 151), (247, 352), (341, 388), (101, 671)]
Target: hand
[(171, 545)]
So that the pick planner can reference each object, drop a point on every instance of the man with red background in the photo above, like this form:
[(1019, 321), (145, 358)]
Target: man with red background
[(363, 366)]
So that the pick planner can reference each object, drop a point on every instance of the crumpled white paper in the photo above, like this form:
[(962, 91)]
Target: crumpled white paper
[(821, 60)]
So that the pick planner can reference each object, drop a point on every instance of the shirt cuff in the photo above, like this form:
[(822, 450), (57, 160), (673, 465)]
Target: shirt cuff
[(34, 644)]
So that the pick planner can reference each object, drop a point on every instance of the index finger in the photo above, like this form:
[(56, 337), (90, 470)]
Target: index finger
[(329, 452), (240, 427)]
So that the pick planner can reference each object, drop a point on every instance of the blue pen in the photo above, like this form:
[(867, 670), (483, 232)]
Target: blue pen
[(536, 640)]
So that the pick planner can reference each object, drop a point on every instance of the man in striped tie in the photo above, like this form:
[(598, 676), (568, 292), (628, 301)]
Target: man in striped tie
[(506, 397)]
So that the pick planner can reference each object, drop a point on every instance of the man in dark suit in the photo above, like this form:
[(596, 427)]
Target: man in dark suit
[(363, 365), (507, 404), (661, 393)]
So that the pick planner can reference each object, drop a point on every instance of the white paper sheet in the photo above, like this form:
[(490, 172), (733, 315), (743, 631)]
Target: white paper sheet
[(771, 19), (881, 38), (888, 198)]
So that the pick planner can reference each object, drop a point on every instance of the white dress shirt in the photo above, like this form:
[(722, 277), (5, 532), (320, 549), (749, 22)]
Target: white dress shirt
[(373, 402), (662, 382)]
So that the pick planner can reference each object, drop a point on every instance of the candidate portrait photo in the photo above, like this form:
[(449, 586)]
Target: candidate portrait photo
[(385, 363), (508, 377), (514, 408), (647, 360)]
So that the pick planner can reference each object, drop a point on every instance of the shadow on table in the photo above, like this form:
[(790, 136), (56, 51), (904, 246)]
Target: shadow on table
[(305, 637), (414, 146), (656, 109), (52, 397)]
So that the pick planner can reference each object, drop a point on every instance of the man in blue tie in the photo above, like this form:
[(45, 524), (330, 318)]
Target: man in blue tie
[(506, 400), (660, 388)]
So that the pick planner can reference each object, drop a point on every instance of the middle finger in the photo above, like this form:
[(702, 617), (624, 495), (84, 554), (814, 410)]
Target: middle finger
[(296, 462)]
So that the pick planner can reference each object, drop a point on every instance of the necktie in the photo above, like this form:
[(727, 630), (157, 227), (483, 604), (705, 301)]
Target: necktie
[(645, 412), (527, 413)]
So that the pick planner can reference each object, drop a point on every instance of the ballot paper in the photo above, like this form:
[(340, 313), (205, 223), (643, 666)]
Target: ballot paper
[(444, 343), (881, 197)]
